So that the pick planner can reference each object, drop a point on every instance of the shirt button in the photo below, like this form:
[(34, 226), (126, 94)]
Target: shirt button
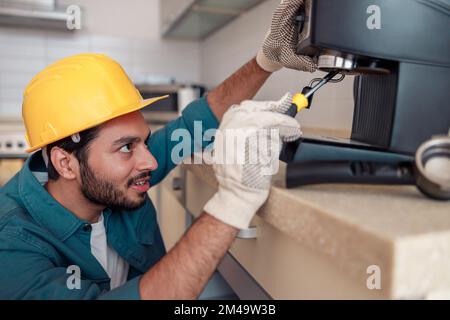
[(87, 227)]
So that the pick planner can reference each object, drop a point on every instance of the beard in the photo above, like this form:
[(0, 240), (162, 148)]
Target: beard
[(103, 192)]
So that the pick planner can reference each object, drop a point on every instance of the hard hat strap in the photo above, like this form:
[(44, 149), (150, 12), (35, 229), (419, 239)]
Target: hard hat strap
[(44, 156), (76, 137)]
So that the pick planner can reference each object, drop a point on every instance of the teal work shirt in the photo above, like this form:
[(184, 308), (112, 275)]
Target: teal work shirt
[(40, 239)]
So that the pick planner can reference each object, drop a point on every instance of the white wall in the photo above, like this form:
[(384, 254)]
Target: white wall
[(137, 19), (224, 51), (128, 31)]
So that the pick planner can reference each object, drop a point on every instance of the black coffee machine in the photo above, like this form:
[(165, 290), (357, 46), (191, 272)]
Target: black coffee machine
[(399, 51)]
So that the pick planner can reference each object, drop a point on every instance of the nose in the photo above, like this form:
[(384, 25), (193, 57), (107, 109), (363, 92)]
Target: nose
[(146, 161)]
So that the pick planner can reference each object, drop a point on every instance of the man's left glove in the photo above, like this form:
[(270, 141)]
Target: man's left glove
[(279, 47), (244, 170)]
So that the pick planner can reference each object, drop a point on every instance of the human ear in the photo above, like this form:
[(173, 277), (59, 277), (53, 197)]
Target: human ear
[(64, 163)]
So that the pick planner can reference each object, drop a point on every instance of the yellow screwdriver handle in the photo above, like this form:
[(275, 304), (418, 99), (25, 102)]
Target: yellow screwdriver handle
[(300, 101)]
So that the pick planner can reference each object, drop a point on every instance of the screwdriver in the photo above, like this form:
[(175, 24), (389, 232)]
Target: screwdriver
[(301, 100)]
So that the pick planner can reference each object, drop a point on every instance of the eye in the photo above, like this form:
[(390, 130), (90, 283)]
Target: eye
[(126, 148)]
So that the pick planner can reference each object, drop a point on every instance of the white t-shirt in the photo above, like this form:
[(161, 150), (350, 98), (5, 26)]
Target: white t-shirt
[(115, 266)]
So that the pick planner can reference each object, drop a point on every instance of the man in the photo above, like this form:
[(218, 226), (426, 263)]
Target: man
[(80, 203)]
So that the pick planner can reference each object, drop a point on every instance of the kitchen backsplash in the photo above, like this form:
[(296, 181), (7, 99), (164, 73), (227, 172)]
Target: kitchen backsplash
[(24, 52)]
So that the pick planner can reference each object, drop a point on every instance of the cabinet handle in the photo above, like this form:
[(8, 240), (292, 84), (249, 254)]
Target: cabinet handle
[(249, 233)]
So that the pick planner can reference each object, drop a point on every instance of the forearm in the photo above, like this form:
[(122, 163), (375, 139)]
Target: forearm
[(241, 85), (185, 270)]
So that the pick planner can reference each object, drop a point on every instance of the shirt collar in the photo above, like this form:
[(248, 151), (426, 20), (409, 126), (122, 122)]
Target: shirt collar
[(62, 223), (40, 204)]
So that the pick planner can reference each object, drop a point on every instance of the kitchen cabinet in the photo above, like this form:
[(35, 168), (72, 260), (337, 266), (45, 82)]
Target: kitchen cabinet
[(172, 217), (283, 268), (197, 19), (171, 10), (335, 241), (174, 220), (12, 148)]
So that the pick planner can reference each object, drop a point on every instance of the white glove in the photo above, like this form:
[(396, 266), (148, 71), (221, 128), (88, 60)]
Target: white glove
[(279, 47), (244, 170)]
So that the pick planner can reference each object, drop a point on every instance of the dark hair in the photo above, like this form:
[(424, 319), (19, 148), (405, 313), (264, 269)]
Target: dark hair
[(80, 149)]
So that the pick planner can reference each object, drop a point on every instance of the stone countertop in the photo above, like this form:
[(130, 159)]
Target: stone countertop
[(356, 226)]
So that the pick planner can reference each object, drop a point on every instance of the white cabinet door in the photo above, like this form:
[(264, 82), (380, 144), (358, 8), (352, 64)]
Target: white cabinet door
[(282, 266), (171, 212)]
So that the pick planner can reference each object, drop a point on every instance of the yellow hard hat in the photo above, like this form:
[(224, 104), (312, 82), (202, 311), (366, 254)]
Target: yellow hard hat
[(75, 94)]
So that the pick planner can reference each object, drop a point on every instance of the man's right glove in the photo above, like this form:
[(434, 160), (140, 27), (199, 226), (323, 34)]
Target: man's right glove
[(244, 170), (279, 47)]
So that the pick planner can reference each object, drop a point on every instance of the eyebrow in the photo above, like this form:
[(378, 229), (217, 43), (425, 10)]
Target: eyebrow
[(130, 139)]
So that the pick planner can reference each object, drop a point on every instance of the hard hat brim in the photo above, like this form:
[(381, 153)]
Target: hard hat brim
[(144, 103)]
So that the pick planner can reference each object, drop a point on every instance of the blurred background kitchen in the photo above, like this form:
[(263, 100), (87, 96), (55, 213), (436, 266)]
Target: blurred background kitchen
[(321, 240), (180, 47)]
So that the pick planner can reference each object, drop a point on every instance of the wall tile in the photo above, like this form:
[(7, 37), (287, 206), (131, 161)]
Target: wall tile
[(21, 64), (24, 54), (19, 43), (15, 80), (10, 108)]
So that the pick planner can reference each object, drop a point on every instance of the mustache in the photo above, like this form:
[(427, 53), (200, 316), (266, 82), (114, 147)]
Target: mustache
[(140, 176)]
